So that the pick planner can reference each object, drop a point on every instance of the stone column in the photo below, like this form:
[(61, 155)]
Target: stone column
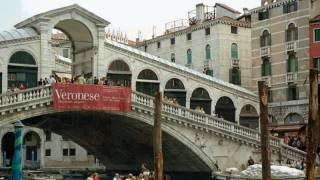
[(98, 66), (46, 63), (188, 96)]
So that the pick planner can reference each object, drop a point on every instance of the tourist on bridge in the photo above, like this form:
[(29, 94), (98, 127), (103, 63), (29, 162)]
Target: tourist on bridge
[(21, 87), (250, 161)]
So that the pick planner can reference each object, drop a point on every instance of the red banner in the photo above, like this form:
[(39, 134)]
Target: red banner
[(91, 97)]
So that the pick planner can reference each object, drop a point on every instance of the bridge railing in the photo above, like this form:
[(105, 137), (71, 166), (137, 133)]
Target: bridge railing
[(12, 99)]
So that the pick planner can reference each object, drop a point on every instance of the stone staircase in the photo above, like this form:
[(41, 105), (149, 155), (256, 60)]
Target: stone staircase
[(40, 97)]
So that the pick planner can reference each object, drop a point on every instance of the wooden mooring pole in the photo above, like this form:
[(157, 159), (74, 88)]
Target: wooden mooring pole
[(265, 146), (157, 139), (313, 125)]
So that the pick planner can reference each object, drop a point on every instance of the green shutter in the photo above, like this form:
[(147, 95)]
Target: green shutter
[(234, 51), (317, 35), (189, 56), (208, 52)]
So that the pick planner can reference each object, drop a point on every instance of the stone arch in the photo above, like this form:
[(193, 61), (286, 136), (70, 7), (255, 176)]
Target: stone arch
[(18, 74), (175, 90), (200, 100), (31, 141), (263, 30), (249, 117), (119, 73), (291, 22), (177, 135), (225, 108), (293, 118), (7, 148), (147, 82), (24, 49), (82, 39)]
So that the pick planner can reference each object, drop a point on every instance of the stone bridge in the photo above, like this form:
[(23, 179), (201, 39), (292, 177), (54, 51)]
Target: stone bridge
[(193, 141)]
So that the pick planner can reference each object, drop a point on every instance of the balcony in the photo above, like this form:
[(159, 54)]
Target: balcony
[(291, 46), (235, 62), (292, 77), (267, 79), (265, 51)]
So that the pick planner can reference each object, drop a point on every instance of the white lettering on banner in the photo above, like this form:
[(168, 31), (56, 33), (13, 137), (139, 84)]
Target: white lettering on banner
[(62, 95)]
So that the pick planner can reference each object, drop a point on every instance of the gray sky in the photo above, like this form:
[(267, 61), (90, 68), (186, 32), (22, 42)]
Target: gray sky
[(129, 16)]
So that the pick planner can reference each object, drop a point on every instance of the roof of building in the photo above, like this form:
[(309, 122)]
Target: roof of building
[(74, 7), (228, 8), (180, 67), (221, 20), (278, 3), (17, 34)]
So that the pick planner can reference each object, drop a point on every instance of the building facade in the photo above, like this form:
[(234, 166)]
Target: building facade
[(280, 56), (211, 41), (45, 150)]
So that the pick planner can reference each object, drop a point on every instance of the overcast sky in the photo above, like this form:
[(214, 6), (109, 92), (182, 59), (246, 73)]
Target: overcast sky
[(129, 16)]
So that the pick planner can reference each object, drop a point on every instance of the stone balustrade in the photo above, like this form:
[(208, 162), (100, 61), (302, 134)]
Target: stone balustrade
[(9, 102)]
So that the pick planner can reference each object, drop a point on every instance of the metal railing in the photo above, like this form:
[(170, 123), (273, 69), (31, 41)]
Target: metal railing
[(291, 77), (291, 46), (265, 51)]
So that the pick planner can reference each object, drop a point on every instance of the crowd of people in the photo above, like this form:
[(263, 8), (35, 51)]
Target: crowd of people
[(294, 141)]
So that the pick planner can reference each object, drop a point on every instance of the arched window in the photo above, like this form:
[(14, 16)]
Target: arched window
[(294, 118), (173, 57), (265, 39), (266, 67), (147, 82), (249, 117), (189, 56), (200, 100), (291, 33), (234, 51), (208, 52), (31, 142), (22, 69), (292, 63), (119, 74), (225, 109), (175, 92)]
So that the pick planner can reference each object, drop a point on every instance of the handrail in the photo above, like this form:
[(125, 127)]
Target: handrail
[(44, 92)]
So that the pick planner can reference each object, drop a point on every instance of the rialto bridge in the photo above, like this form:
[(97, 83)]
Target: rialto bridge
[(193, 140)]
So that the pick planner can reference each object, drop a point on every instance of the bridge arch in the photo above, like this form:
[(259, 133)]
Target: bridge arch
[(119, 73), (249, 117), (225, 108), (201, 100), (57, 122), (147, 82), (176, 90)]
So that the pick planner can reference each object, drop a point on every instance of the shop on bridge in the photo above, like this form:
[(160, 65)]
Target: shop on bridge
[(22, 69), (175, 90), (119, 74), (147, 82), (200, 100), (225, 109)]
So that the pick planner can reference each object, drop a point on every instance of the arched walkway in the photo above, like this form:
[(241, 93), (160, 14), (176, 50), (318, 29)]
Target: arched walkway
[(249, 117), (147, 82), (7, 149), (22, 69), (119, 74), (293, 118), (31, 151), (81, 40), (200, 100), (175, 90), (225, 109)]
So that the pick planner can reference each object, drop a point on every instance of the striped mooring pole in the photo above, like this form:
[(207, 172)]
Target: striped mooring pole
[(17, 159)]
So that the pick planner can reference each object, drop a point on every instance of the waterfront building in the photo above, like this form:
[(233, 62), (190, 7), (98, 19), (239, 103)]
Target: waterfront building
[(212, 41), (280, 56)]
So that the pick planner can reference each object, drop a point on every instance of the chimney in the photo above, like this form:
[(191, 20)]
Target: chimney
[(266, 2), (245, 11), (200, 12)]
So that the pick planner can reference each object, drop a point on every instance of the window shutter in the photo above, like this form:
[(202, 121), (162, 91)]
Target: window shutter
[(295, 6), (285, 8), (261, 41), (296, 33)]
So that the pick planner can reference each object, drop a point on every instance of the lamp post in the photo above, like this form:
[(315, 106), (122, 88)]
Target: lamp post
[(17, 160)]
